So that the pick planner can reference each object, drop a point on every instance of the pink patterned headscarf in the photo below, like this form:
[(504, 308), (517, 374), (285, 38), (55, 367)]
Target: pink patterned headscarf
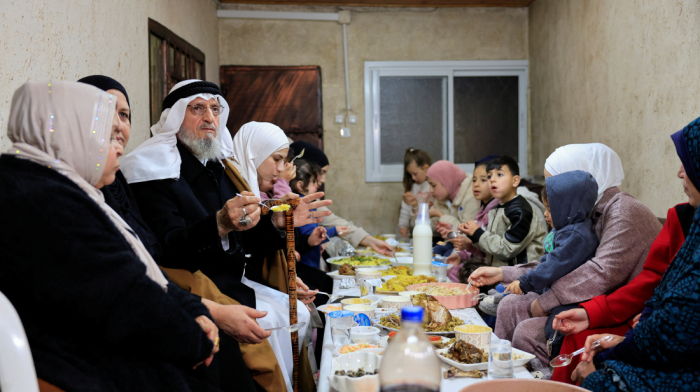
[(449, 175)]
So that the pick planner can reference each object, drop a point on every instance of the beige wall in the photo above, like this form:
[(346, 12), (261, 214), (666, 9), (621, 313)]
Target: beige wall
[(445, 34), (624, 73), (70, 39)]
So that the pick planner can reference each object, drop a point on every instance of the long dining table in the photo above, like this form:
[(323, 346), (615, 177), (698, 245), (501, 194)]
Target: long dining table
[(449, 385)]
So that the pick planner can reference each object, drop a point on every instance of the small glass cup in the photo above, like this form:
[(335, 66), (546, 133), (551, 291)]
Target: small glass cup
[(341, 322), (365, 288), (500, 359), (439, 271)]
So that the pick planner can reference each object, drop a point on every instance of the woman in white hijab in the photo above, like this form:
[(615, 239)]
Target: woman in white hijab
[(626, 229), (259, 152), (97, 310)]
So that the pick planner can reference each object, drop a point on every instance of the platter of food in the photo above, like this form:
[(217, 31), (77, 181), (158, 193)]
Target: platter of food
[(467, 357), (452, 295), (438, 320), (359, 261), (400, 282)]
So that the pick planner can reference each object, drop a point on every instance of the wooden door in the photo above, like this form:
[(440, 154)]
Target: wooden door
[(289, 97)]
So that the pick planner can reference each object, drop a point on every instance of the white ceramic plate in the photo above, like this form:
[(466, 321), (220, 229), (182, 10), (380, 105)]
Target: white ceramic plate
[(337, 276), (327, 308), (406, 261), (524, 358), (335, 264), (336, 351)]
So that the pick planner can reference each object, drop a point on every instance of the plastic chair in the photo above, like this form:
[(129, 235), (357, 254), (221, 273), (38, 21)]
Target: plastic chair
[(522, 385), (17, 372)]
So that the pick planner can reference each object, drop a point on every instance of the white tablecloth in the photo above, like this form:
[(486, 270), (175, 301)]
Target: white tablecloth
[(453, 385)]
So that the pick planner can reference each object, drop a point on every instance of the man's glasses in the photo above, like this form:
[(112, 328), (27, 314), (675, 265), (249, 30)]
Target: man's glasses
[(201, 109)]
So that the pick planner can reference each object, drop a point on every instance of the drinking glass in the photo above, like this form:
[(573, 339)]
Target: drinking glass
[(341, 322), (500, 359)]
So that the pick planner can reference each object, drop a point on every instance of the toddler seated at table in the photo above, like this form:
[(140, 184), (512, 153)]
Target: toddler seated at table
[(568, 199)]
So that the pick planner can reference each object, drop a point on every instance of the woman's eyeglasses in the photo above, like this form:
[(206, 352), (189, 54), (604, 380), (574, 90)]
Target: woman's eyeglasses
[(201, 109)]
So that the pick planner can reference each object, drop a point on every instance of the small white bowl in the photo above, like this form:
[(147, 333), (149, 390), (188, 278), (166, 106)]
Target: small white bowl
[(374, 298), (355, 301), (387, 236), (409, 293), (363, 334), (396, 302), (368, 273), (353, 361), (381, 312), (367, 310)]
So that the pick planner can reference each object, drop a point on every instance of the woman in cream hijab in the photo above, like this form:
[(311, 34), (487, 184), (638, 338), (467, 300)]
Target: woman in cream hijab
[(259, 152), (98, 313)]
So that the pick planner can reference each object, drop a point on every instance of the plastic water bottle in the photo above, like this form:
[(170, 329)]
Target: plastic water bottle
[(422, 242), (410, 363)]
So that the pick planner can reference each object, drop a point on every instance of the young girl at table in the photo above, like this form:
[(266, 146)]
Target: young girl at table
[(451, 187), (465, 251), (415, 166), (304, 183)]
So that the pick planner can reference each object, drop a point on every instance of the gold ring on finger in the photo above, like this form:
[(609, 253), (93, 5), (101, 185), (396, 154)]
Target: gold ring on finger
[(216, 341)]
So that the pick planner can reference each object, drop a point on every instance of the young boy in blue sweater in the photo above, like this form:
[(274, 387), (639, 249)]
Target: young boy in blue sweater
[(569, 199)]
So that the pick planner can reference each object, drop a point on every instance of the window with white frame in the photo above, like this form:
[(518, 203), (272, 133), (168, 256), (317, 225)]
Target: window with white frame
[(460, 111)]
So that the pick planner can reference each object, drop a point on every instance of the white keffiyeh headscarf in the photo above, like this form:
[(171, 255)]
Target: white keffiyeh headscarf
[(158, 157), (595, 158), (66, 126), (254, 143)]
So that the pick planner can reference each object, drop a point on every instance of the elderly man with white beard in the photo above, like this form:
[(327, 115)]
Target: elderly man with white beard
[(206, 225)]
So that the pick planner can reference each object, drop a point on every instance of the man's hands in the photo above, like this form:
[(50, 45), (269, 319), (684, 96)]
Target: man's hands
[(573, 321), (302, 215), (228, 218), (484, 276), (468, 228), (212, 333), (514, 288), (238, 321), (582, 371)]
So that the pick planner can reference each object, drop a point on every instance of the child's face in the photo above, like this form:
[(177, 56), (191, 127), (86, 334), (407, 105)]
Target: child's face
[(547, 214), (313, 186), (503, 184), (418, 174), (481, 187), (437, 190)]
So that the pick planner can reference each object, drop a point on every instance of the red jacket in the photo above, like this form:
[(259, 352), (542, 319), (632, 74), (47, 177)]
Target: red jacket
[(626, 302)]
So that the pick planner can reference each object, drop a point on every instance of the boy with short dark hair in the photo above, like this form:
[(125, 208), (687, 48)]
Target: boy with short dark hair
[(514, 234)]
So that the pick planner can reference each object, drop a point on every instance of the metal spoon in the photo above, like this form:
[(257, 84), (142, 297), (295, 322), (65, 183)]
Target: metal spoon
[(564, 360), (393, 252), (301, 154), (289, 328), (261, 203), (453, 234), (331, 296)]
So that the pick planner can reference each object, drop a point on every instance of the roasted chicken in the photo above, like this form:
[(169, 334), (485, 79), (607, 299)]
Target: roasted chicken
[(436, 314)]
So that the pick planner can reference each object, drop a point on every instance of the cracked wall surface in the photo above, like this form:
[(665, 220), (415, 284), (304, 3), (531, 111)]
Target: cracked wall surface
[(69, 39)]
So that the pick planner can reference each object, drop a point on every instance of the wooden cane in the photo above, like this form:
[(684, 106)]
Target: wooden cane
[(292, 272)]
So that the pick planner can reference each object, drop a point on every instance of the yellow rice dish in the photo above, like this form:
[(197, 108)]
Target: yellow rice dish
[(363, 261), (400, 282), (398, 271)]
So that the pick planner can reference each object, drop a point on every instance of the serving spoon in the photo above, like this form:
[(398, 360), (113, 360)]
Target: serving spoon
[(453, 234), (564, 360)]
